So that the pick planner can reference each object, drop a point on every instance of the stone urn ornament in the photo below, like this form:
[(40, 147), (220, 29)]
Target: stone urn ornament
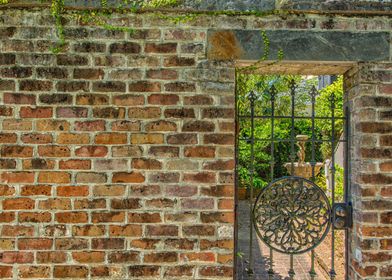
[(301, 168)]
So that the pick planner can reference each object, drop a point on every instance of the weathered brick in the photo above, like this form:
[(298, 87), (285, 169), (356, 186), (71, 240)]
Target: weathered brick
[(52, 125), (160, 48), (91, 177), (38, 163), (164, 151), (92, 99), (109, 113), (128, 230), (17, 231), (52, 73), (123, 257), (125, 48), (75, 60), (19, 98), (125, 126), (97, 125), (70, 271), (144, 113), (35, 244), (162, 74), (111, 138), (130, 203), (109, 86), (128, 100), (72, 86), (108, 243), (58, 98), (34, 272), (180, 87), (35, 85), (144, 86)]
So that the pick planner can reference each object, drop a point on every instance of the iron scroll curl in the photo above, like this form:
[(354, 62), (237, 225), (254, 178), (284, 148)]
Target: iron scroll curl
[(292, 215)]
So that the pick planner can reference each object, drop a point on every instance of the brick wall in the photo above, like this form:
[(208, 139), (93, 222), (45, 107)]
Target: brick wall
[(369, 92), (117, 155)]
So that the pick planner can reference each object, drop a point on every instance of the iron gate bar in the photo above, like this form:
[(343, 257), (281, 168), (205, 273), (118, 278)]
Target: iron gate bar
[(293, 87), (272, 94), (252, 99), (332, 99), (313, 94)]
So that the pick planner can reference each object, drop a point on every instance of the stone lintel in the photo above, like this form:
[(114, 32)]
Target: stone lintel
[(299, 45)]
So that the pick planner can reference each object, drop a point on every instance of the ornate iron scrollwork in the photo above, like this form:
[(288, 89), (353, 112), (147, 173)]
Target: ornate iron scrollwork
[(292, 215)]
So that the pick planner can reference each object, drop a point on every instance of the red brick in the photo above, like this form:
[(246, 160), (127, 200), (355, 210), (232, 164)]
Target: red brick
[(111, 138), (70, 271), (128, 100), (72, 191), (162, 230), (144, 218), (35, 217), (18, 203), (71, 217), (71, 112), (128, 230), (17, 257), (166, 257), (35, 244), (144, 86), (88, 257), (55, 204), (51, 257), (131, 177), (160, 48), (126, 126), (198, 257), (90, 126), (162, 74), (54, 151), (108, 217), (163, 99), (54, 177), (144, 271), (123, 257), (108, 243), (218, 271), (17, 231), (88, 73), (38, 112), (19, 98), (44, 190), (37, 138), (91, 151), (75, 164), (40, 272), (5, 271), (16, 151), (144, 163), (161, 125), (200, 152), (17, 177)]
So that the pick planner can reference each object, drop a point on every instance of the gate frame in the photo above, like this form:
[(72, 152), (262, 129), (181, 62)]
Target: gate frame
[(306, 68)]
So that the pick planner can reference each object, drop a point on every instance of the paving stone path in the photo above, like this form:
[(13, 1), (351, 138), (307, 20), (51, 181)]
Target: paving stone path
[(261, 253)]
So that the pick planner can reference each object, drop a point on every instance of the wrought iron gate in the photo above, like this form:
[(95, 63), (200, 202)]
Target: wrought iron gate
[(292, 214)]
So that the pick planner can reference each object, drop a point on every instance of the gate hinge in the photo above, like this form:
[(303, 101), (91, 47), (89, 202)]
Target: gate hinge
[(342, 214)]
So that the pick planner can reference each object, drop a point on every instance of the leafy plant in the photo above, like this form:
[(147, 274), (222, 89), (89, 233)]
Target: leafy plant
[(282, 127)]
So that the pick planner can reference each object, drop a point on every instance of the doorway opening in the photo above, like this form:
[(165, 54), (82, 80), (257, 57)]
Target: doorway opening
[(292, 198)]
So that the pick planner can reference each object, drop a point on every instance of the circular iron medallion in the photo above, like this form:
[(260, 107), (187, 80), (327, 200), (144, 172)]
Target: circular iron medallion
[(292, 215)]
